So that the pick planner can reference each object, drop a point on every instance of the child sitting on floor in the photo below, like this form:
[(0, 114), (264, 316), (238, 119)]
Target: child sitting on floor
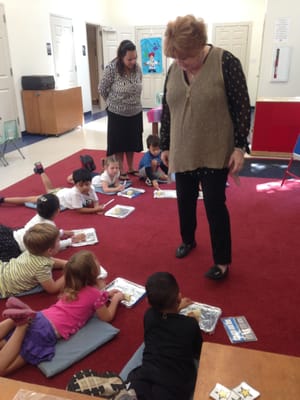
[(172, 344), (30, 337), (151, 168), (81, 197), (33, 267), (109, 181), (47, 206)]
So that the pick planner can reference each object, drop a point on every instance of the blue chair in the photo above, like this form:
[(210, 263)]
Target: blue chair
[(9, 134), (295, 157)]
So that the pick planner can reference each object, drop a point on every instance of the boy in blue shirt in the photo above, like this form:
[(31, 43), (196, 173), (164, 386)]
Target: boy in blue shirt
[(151, 168)]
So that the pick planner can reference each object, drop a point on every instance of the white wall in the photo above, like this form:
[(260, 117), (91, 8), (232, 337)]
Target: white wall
[(28, 24), (290, 10), (159, 12)]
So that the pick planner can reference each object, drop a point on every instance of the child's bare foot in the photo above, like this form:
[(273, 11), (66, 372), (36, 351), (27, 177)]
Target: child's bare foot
[(164, 177)]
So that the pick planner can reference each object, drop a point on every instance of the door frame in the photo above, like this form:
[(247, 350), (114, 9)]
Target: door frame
[(11, 112)]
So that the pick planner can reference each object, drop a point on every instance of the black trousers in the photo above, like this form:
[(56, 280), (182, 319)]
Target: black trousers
[(213, 182), (9, 248)]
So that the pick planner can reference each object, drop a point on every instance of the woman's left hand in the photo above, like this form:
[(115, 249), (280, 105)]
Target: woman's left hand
[(235, 164)]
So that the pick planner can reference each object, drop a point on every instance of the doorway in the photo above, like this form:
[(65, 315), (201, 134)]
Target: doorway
[(63, 52), (8, 102), (95, 56), (152, 83), (102, 44)]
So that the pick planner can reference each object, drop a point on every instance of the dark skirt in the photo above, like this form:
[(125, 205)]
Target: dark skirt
[(124, 134), (9, 248)]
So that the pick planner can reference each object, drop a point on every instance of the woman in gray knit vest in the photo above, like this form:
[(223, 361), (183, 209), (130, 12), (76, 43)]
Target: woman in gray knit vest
[(121, 88), (204, 128)]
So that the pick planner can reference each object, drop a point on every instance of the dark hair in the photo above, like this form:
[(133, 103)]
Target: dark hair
[(40, 237), (162, 291), (87, 162), (81, 175), (153, 140), (124, 46), (47, 205)]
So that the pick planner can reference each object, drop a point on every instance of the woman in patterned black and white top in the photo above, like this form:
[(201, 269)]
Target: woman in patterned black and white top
[(121, 88)]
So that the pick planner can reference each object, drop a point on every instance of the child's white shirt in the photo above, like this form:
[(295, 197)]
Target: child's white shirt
[(72, 198), (98, 180)]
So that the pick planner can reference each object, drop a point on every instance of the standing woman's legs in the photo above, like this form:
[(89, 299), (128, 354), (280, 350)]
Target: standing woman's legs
[(120, 158), (213, 183), (114, 139), (187, 188), (129, 158)]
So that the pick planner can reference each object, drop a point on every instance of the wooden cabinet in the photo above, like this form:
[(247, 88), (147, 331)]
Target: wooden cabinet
[(52, 112)]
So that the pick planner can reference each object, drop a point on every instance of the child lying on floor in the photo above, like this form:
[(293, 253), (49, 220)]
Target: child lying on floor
[(47, 206), (33, 267), (81, 197), (109, 181), (30, 337), (172, 344)]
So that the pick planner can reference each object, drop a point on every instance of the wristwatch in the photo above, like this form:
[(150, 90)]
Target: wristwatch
[(241, 149)]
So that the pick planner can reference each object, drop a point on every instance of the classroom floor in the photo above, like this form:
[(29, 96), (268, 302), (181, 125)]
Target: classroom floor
[(52, 149)]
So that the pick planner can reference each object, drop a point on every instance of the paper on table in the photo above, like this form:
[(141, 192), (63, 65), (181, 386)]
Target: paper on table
[(23, 394), (245, 391)]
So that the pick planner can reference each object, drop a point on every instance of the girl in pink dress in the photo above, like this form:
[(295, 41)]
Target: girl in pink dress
[(27, 336)]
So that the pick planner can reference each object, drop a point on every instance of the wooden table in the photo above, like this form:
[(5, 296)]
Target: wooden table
[(275, 376), (9, 388)]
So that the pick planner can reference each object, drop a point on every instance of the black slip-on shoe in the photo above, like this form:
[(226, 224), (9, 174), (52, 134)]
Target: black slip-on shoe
[(215, 273), (184, 249)]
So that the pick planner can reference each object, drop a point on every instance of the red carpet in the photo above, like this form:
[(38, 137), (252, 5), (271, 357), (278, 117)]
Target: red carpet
[(262, 285)]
